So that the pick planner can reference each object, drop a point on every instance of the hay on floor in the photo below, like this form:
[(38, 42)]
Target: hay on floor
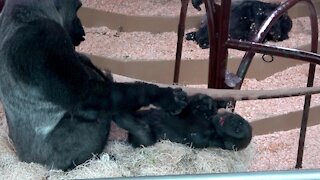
[(121, 160)]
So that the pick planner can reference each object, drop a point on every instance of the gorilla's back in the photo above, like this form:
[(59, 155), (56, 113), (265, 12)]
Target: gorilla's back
[(25, 120)]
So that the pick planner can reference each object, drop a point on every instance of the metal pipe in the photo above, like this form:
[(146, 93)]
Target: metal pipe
[(218, 51), (264, 29), (310, 174), (312, 68), (274, 50), (181, 29), (211, 17), (245, 63)]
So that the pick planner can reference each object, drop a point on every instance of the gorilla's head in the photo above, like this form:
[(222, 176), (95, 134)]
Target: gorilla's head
[(233, 130), (68, 11)]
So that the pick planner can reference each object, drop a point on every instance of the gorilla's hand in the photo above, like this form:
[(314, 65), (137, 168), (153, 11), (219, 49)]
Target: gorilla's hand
[(173, 101)]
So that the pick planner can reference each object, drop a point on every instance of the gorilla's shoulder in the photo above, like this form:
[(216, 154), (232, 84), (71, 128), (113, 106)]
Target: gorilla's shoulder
[(41, 33)]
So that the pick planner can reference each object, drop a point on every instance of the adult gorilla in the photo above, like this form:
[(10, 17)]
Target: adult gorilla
[(58, 106)]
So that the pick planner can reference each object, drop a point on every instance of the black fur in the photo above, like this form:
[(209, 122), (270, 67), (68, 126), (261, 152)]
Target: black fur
[(71, 21), (245, 20), (1, 4), (198, 125), (196, 4), (58, 105)]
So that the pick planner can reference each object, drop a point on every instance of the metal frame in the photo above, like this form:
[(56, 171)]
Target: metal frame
[(218, 28), (309, 174)]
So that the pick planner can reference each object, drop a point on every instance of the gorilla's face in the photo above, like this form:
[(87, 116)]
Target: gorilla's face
[(233, 130), (68, 11)]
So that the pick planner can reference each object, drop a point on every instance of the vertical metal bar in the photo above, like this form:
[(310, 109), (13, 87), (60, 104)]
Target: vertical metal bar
[(221, 19), (312, 67), (181, 30), (218, 29), (210, 9)]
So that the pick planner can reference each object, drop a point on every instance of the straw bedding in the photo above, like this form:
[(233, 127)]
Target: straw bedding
[(274, 151)]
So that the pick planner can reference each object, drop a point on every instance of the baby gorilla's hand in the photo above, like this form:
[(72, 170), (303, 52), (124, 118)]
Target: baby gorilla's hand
[(173, 100)]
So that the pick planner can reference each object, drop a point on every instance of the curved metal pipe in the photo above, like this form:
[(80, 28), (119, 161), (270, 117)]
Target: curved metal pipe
[(266, 26), (245, 63)]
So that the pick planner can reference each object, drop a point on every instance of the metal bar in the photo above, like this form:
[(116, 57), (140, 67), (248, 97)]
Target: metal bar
[(219, 52), (212, 31), (181, 30), (312, 68), (245, 63), (274, 50), (310, 174)]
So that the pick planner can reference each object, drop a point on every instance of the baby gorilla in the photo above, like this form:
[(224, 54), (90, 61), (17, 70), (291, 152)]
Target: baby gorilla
[(199, 125), (245, 20)]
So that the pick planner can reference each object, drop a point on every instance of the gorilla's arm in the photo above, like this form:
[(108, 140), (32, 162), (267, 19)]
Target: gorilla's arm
[(51, 65), (97, 72)]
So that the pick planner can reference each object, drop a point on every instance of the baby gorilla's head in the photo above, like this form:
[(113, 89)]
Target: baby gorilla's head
[(233, 130)]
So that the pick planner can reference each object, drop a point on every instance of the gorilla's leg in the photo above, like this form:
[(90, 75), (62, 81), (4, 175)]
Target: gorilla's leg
[(139, 129), (72, 142)]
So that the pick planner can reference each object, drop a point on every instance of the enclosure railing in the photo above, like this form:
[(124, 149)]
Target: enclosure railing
[(218, 28), (310, 174)]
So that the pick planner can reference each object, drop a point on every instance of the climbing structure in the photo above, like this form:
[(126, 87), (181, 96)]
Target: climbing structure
[(218, 28)]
